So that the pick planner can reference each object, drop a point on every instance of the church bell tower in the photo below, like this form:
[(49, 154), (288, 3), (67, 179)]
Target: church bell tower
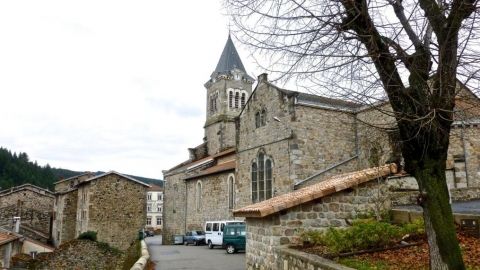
[(227, 92)]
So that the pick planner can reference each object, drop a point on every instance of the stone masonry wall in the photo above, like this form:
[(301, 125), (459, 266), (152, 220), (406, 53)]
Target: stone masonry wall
[(117, 209), (264, 234), (34, 208), (304, 141), (323, 138), (64, 227), (221, 135), (174, 207), (214, 200)]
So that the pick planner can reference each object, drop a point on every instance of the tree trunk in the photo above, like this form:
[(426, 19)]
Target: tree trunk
[(439, 223)]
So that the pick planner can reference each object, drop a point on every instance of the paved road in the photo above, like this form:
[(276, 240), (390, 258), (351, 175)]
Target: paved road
[(192, 257)]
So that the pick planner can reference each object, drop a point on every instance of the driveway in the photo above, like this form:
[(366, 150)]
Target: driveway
[(192, 257)]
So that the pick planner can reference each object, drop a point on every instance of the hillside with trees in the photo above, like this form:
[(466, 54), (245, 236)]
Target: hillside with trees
[(17, 169)]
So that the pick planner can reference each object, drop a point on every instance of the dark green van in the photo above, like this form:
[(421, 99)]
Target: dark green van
[(234, 238)]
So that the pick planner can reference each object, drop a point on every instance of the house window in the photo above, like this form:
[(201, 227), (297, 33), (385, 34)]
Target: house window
[(159, 208), (198, 196), (230, 99), (159, 220), (149, 196), (243, 99), (159, 196), (149, 220), (149, 207), (231, 190), (262, 181)]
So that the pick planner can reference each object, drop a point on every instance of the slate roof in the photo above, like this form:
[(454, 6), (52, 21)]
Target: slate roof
[(329, 186), (229, 59), (321, 101)]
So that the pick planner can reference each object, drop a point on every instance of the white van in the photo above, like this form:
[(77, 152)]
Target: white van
[(214, 231)]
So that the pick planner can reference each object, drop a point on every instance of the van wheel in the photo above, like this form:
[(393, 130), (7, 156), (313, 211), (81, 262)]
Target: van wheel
[(230, 249), (185, 243), (195, 243), (210, 245)]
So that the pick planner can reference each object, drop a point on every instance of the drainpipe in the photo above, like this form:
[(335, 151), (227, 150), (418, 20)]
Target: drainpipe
[(355, 126), (186, 204), (464, 152)]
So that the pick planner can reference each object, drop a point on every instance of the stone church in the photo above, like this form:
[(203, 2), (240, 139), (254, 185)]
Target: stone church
[(271, 141)]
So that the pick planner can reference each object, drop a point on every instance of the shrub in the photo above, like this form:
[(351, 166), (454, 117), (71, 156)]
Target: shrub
[(88, 235), (363, 234)]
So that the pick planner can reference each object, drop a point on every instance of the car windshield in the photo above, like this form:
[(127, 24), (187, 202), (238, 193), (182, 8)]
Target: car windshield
[(200, 233)]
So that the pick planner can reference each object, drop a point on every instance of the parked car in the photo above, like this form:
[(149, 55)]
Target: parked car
[(234, 238), (214, 231), (194, 237), (149, 233)]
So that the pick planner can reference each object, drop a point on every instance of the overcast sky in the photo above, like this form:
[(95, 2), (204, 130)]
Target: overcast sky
[(108, 85)]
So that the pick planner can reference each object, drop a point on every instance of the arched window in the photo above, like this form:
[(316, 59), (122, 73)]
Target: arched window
[(230, 99), (244, 96), (215, 100), (257, 120), (237, 97), (263, 117), (261, 177), (262, 180), (231, 191), (268, 179), (198, 196), (254, 182)]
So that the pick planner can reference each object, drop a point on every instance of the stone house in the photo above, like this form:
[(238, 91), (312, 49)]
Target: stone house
[(34, 206), (111, 204), (278, 141), (154, 207)]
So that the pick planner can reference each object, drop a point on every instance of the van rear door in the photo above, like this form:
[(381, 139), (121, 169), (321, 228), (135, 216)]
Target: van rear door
[(208, 231)]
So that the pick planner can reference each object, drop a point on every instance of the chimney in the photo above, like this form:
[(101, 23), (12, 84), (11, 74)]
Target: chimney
[(263, 77), (16, 220)]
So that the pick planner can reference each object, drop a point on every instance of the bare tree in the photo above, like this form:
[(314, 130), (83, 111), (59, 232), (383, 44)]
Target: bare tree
[(413, 51)]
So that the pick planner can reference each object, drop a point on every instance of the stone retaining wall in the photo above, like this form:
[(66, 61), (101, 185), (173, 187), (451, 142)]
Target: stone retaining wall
[(291, 259), (143, 260)]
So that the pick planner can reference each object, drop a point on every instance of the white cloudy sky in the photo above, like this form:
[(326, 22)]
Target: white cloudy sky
[(108, 85)]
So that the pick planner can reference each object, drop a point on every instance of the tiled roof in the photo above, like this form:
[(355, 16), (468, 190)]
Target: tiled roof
[(6, 237), (113, 172), (28, 186), (329, 186), (222, 167), (154, 187), (193, 163)]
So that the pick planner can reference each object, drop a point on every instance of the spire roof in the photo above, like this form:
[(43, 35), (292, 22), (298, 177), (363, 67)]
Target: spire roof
[(229, 59)]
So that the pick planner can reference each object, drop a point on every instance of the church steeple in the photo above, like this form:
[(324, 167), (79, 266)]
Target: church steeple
[(227, 92), (230, 59)]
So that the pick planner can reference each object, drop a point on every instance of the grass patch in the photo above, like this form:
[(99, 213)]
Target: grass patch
[(132, 254)]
